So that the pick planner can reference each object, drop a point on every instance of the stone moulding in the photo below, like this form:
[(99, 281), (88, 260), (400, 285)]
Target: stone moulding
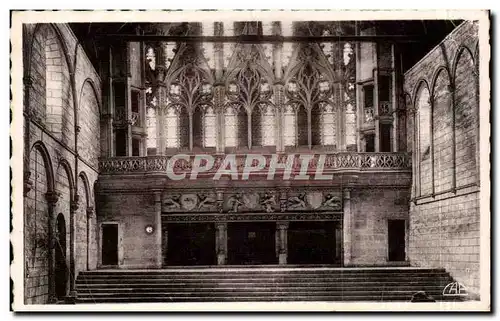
[(196, 217)]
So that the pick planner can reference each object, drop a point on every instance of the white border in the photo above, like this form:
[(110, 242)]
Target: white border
[(159, 16)]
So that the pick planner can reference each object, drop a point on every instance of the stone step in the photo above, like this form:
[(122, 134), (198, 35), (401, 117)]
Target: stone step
[(329, 298), (209, 285), (266, 280)]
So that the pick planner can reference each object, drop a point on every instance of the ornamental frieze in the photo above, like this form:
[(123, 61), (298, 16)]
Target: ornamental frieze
[(235, 217), (252, 201)]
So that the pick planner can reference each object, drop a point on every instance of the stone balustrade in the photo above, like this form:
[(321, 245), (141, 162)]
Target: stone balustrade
[(331, 162)]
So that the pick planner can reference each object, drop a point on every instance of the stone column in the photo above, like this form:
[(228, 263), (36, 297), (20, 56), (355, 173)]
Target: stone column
[(90, 215), (221, 243), (73, 209), (282, 230), (347, 227), (158, 229), (279, 98), (160, 137), (52, 198), (219, 94)]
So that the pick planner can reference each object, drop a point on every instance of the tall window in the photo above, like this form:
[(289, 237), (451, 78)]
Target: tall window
[(268, 125), (328, 125), (424, 119), (151, 130), (209, 127), (231, 126), (172, 128), (289, 126)]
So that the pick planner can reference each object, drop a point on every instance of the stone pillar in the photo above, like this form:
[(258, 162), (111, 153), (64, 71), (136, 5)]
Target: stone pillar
[(221, 243), (219, 95), (347, 227), (279, 97), (72, 277), (111, 108), (282, 230), (158, 230), (160, 137), (90, 215), (52, 198)]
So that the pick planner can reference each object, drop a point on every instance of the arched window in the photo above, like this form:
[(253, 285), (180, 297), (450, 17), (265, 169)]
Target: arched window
[(172, 127), (289, 126), (231, 126), (328, 125), (424, 120), (263, 125), (324, 125), (209, 127), (424, 140), (151, 142)]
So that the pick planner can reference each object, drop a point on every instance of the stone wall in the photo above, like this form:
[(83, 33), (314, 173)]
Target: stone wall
[(132, 212), (444, 214), (371, 210), (54, 75)]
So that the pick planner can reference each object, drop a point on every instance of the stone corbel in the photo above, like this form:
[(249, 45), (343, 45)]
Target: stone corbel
[(28, 183), (28, 81), (52, 197), (74, 203), (90, 212)]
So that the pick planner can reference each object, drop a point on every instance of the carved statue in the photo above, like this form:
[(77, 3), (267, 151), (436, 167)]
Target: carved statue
[(172, 202), (295, 202), (332, 201), (206, 201), (234, 202), (268, 201)]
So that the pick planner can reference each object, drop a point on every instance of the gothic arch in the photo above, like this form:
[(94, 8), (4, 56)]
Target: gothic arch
[(67, 168), (90, 82), (321, 63), (421, 82), (86, 185), (238, 62), (436, 75), (49, 169), (462, 49), (61, 42)]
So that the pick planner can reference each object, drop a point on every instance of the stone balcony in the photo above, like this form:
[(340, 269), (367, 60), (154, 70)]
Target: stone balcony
[(335, 170), (330, 162)]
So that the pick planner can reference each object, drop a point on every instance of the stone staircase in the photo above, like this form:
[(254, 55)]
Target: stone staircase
[(241, 284)]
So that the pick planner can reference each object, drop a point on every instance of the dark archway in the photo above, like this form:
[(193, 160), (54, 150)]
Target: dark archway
[(61, 271)]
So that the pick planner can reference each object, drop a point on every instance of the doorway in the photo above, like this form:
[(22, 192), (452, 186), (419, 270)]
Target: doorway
[(397, 240), (251, 243), (190, 244), (110, 244), (314, 243), (61, 271)]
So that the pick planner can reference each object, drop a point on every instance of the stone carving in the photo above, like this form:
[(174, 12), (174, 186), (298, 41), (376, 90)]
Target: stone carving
[(332, 201), (172, 202), (297, 202), (268, 202), (206, 201), (251, 200), (234, 202), (252, 217), (189, 201), (314, 199)]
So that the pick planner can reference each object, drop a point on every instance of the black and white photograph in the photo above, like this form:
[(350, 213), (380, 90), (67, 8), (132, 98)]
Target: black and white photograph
[(250, 160)]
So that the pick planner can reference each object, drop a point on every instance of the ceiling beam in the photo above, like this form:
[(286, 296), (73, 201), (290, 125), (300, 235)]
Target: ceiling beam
[(259, 39)]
